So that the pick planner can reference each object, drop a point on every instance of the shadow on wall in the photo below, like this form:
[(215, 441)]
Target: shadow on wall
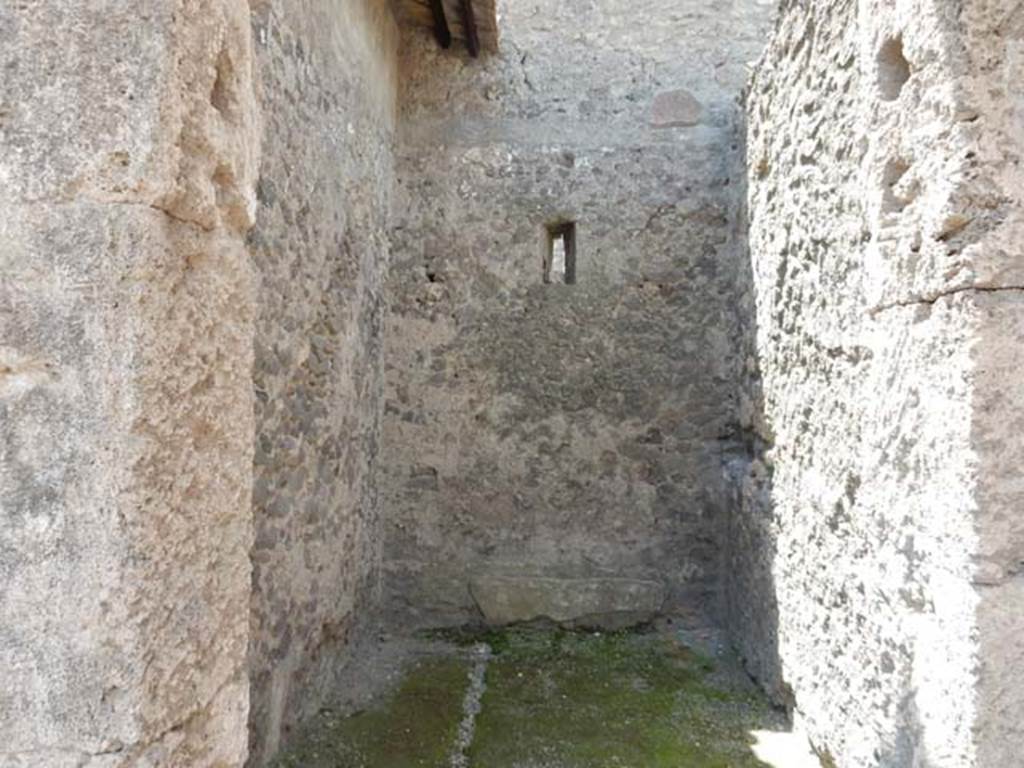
[(754, 526), (751, 608)]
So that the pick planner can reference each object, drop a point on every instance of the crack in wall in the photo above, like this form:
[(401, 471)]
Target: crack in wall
[(932, 298)]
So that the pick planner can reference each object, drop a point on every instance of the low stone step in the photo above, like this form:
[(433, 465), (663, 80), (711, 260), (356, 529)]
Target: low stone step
[(605, 603)]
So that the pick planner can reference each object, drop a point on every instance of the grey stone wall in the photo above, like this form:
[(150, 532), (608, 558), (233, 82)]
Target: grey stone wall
[(874, 576), (328, 86), (185, 384), (556, 430), (127, 168)]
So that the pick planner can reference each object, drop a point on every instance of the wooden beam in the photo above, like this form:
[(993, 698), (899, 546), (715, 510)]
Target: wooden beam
[(469, 28), (441, 29)]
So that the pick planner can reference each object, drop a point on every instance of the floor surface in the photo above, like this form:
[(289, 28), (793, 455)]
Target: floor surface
[(547, 698)]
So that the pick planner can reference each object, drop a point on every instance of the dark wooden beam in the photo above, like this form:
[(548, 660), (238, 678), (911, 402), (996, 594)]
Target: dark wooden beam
[(441, 30), (472, 35)]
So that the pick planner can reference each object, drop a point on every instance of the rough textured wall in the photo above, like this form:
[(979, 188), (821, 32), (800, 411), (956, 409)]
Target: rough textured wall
[(328, 85), (564, 430), (877, 542), (993, 240), (127, 162)]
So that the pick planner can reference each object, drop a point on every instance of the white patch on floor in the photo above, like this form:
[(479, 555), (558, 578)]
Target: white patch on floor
[(784, 749), (481, 655)]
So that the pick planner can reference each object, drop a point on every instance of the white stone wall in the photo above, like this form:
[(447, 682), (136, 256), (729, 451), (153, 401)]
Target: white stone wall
[(869, 590), (127, 167), (993, 192)]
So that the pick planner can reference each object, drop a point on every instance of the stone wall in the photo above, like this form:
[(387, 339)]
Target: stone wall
[(564, 431), (127, 168), (185, 382), (328, 86), (991, 198), (877, 544)]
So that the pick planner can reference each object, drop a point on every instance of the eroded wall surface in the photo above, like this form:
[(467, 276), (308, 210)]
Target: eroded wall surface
[(564, 431), (874, 572), (993, 234), (327, 86), (127, 170)]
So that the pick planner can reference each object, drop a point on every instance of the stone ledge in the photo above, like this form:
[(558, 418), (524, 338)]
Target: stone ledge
[(607, 603)]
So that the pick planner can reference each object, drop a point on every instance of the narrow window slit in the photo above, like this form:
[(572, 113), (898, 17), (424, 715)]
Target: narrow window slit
[(560, 255)]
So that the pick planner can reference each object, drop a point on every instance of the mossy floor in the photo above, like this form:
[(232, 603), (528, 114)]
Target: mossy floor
[(550, 699)]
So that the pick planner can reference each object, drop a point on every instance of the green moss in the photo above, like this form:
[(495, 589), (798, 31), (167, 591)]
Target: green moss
[(577, 700), (414, 727), (556, 699), (470, 635)]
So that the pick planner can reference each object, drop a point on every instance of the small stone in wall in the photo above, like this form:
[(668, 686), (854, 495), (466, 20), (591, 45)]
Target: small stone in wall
[(673, 109)]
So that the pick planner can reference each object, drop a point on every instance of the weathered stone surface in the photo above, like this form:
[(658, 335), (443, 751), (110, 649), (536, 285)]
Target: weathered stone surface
[(173, 377), (328, 87), (126, 320), (565, 431), (606, 603), (871, 570), (993, 243), (552, 698)]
